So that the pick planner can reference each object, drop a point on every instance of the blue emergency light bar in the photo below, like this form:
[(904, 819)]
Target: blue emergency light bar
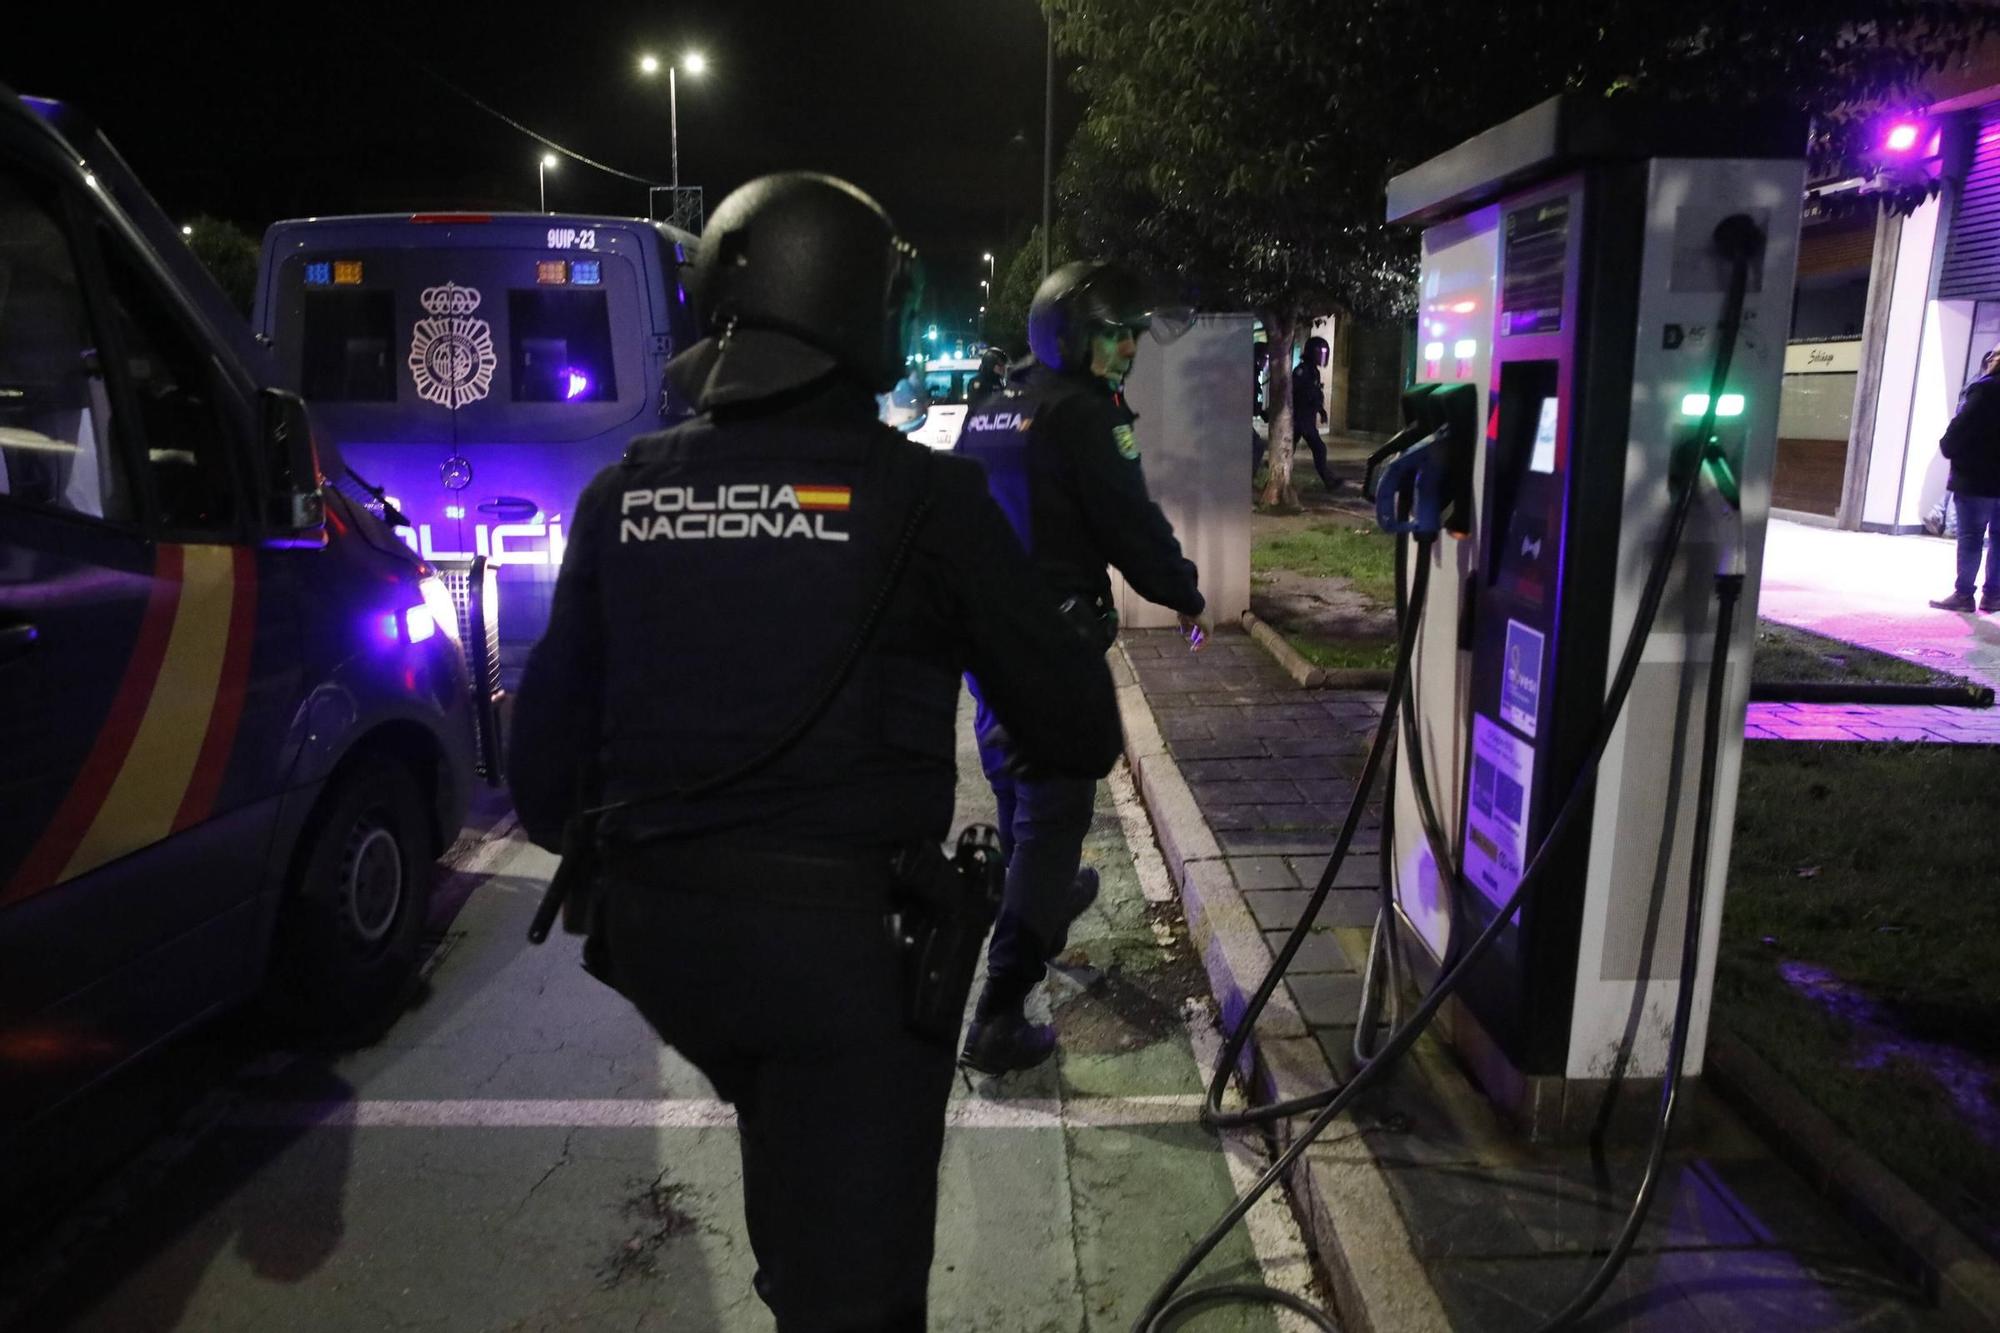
[(319, 274), (586, 272)]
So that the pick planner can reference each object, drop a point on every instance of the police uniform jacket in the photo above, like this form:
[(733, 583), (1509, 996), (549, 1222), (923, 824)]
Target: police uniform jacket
[(1308, 392), (1062, 458), (713, 580)]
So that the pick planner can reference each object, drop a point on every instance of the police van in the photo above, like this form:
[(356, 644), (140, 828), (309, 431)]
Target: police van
[(477, 370), (947, 382), (234, 713)]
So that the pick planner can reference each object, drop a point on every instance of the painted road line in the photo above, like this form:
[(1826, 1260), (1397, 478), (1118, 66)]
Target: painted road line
[(1154, 881), (691, 1113), (1274, 1230)]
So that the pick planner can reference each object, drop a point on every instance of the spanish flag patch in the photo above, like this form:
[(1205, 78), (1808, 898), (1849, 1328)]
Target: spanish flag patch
[(824, 497)]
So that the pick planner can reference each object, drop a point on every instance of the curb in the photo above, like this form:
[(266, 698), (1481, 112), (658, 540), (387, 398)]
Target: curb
[(1342, 1202), (1304, 673), (1953, 1268)]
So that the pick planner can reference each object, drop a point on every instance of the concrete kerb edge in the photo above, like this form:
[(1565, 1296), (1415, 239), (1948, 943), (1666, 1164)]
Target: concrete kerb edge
[(1964, 1278), (1341, 1199), (1304, 673)]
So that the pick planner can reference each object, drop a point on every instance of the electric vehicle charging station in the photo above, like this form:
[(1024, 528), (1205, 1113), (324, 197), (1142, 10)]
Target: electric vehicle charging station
[(1583, 487), (1571, 278)]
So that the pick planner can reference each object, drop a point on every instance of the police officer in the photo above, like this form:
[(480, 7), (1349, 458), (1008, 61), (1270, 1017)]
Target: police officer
[(1309, 404), (1062, 457), (991, 375), (715, 583)]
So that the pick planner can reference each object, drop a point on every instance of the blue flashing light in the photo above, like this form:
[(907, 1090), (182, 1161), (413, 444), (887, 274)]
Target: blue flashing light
[(579, 384), (586, 272), (319, 274), (389, 626)]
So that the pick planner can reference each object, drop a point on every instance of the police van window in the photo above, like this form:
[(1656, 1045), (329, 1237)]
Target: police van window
[(348, 354), (561, 346), (55, 416), (173, 388)]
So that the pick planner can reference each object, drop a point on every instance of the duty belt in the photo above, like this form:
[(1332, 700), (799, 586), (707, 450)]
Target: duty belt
[(847, 879)]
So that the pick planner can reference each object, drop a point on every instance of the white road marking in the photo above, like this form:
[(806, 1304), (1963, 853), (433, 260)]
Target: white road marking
[(1274, 1230), (1154, 881), (692, 1113)]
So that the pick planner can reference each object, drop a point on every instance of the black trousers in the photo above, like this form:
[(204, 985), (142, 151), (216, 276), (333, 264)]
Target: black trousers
[(795, 1015)]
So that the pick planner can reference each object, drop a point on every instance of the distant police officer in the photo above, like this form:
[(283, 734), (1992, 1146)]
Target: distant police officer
[(991, 375), (715, 581), (1061, 456), (1309, 404)]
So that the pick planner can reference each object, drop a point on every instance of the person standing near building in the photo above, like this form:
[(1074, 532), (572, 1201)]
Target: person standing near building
[(756, 645), (1061, 455), (1972, 444), (1309, 404)]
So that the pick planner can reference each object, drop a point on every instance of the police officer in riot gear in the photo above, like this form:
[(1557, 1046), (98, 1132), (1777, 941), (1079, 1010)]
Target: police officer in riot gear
[(991, 375), (1062, 457), (1309, 404), (714, 588)]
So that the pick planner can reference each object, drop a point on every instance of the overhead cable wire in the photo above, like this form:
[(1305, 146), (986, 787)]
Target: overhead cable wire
[(512, 123)]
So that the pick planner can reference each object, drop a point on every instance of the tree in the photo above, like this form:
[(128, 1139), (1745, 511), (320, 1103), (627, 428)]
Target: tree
[(229, 254), (1019, 273), (1245, 144)]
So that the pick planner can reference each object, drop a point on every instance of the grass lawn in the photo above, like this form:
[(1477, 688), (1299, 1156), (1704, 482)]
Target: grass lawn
[(1354, 550), (1787, 654), (1877, 865), (1345, 654)]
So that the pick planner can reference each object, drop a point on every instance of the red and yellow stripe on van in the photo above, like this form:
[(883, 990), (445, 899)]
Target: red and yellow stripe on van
[(834, 498), (158, 762)]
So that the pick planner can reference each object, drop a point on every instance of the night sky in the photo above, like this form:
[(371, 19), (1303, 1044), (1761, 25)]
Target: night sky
[(256, 113)]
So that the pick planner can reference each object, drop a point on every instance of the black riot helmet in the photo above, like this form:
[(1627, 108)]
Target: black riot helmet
[(1316, 352), (798, 274), (1084, 298)]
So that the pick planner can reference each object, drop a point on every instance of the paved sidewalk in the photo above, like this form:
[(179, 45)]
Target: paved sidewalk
[(1426, 1211), (1873, 590)]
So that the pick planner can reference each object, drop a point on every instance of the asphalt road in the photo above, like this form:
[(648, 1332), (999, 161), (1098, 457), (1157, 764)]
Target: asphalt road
[(521, 1153)]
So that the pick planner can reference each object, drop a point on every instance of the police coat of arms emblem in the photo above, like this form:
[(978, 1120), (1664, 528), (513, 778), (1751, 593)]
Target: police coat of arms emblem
[(451, 354)]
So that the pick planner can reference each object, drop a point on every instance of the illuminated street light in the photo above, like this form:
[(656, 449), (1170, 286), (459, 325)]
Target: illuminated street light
[(542, 169), (694, 63), (187, 231)]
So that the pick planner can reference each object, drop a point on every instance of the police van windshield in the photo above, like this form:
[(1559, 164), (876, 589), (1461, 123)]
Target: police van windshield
[(947, 381)]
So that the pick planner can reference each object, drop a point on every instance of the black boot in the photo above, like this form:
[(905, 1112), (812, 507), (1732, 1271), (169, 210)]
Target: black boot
[(1004, 1042)]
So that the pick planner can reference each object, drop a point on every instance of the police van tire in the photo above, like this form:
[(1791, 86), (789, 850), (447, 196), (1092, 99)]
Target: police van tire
[(351, 927)]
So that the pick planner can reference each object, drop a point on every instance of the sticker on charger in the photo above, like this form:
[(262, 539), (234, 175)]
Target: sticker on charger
[(1521, 679), (1496, 826)]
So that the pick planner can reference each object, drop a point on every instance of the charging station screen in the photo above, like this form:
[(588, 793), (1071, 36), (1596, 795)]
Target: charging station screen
[(1543, 459), (1533, 266)]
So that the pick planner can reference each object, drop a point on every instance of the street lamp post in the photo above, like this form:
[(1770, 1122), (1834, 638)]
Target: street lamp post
[(694, 62), (542, 169)]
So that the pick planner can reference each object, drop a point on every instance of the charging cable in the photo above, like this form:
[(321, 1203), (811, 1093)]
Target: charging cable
[(1739, 240)]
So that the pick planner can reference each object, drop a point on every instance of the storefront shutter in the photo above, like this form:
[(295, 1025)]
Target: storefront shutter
[(1972, 262)]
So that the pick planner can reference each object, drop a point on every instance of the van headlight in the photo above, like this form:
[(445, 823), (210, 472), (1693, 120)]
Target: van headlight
[(438, 609)]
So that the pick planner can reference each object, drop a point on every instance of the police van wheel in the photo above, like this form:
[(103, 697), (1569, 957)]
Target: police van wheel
[(351, 927)]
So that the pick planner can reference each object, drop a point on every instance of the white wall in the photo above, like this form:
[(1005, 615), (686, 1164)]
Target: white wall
[(1889, 433), (1191, 396)]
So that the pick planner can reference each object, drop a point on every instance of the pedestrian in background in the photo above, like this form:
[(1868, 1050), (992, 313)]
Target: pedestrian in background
[(1972, 445), (756, 642)]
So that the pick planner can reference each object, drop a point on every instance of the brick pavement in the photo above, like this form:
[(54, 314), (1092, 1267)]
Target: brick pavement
[(1501, 1232)]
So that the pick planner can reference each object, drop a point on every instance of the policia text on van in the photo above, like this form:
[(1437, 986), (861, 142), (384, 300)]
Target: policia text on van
[(233, 708)]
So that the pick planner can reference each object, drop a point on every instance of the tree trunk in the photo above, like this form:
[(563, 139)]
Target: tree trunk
[(1281, 332)]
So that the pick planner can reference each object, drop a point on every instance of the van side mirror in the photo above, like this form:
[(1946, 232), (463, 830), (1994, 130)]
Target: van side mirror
[(294, 503)]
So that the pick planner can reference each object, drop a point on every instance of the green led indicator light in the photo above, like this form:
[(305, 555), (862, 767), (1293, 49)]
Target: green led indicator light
[(1696, 404)]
